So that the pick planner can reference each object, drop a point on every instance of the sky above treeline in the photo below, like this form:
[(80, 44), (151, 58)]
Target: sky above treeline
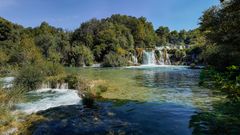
[(69, 14)]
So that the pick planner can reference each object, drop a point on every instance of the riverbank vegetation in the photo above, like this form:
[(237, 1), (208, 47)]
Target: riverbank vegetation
[(220, 25), (111, 41), (8, 99)]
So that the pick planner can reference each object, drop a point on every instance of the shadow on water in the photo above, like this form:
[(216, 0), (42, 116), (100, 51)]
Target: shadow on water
[(224, 119), (117, 117)]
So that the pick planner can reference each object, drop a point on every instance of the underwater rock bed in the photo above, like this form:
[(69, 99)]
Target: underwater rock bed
[(75, 120)]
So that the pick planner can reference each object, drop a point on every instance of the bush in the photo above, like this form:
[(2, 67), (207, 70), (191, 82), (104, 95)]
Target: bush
[(227, 81), (114, 60), (55, 73), (53, 69), (72, 81), (30, 76), (179, 54)]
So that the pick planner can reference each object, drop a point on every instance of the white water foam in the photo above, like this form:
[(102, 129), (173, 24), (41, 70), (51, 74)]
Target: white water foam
[(156, 66), (7, 82), (49, 98)]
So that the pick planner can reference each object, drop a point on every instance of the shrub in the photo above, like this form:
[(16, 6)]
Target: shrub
[(55, 73), (179, 54), (30, 76), (7, 100), (114, 60), (72, 81), (227, 81), (53, 69)]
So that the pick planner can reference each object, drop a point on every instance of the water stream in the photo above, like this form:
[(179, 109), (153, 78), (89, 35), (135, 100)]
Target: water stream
[(143, 100)]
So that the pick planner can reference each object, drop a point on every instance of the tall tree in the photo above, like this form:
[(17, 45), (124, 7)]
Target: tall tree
[(162, 33)]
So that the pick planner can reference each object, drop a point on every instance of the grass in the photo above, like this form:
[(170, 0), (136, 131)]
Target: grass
[(8, 97)]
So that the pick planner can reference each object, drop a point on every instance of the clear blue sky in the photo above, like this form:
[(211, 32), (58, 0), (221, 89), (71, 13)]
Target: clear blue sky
[(69, 14)]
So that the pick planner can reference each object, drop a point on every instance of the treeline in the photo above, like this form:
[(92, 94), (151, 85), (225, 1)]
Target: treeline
[(183, 37), (113, 40), (220, 25), (110, 41)]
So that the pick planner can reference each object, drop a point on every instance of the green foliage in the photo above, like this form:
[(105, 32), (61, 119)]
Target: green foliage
[(3, 57), (30, 76), (221, 26), (53, 69), (222, 120), (227, 81), (8, 98), (162, 33), (72, 80), (118, 34), (114, 60), (82, 55), (180, 54), (9, 31), (182, 37)]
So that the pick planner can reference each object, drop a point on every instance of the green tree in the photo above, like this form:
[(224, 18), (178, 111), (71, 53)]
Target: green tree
[(221, 26), (82, 55), (162, 33)]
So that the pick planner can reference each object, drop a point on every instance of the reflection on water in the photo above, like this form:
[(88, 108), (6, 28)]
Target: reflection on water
[(177, 85), (159, 100)]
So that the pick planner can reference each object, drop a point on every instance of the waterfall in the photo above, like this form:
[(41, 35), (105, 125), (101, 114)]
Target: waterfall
[(7, 82), (164, 56), (149, 58), (50, 98), (161, 59), (167, 59), (48, 85), (134, 59)]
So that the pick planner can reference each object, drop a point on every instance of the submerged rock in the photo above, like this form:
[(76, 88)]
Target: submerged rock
[(76, 120)]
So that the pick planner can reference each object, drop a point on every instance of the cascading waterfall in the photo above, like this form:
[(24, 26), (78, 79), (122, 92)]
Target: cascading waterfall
[(58, 86), (149, 58), (167, 59), (164, 57), (45, 97), (134, 59), (48, 98), (161, 59)]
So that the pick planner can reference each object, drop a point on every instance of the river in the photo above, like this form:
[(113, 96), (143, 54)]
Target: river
[(149, 100)]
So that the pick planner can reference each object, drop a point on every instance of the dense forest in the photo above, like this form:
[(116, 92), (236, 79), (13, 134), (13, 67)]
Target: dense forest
[(110, 41)]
